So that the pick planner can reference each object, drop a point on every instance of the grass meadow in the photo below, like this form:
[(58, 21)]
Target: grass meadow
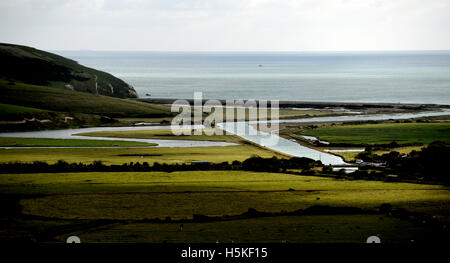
[(383, 133), (62, 100), (126, 155), (7, 109), (43, 142), (125, 199), (167, 134)]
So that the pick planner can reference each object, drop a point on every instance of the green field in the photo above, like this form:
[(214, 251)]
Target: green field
[(167, 134), (383, 133), (126, 155), (131, 196), (215, 193), (61, 100), (43, 142)]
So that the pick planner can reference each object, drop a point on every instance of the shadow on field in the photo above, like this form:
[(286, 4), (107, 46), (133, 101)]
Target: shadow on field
[(17, 227)]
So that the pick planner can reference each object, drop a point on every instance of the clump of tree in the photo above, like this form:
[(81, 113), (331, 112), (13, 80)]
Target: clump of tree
[(429, 164), (369, 156), (274, 164)]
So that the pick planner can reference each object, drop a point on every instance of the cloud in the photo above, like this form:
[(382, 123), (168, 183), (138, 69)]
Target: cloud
[(226, 24)]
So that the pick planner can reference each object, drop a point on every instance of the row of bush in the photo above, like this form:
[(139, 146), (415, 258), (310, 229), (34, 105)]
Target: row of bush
[(254, 163), (429, 164)]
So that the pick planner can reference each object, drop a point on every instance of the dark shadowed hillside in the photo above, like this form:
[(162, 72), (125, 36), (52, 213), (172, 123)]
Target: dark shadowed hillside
[(33, 66), (40, 90)]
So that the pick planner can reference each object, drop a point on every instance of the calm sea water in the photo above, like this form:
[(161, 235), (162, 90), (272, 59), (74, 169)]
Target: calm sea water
[(407, 77)]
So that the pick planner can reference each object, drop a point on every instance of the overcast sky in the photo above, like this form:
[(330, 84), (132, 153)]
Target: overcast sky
[(227, 25)]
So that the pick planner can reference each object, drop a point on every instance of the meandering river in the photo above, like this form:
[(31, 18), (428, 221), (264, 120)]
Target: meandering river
[(72, 134), (285, 146), (242, 129)]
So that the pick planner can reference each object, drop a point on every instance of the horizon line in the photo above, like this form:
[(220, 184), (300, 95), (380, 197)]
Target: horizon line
[(233, 51), (248, 51)]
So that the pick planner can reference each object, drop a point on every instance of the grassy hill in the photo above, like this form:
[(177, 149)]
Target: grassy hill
[(7, 110), (53, 99), (25, 106), (39, 85), (33, 66)]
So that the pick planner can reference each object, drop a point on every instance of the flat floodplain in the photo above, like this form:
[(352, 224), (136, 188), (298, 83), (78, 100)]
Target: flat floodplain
[(213, 193), (167, 134), (383, 133), (126, 155), (44, 142), (133, 196)]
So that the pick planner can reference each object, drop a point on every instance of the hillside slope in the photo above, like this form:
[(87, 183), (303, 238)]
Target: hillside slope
[(25, 107), (33, 66), (60, 100)]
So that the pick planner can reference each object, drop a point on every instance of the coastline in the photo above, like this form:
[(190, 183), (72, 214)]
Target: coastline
[(319, 104)]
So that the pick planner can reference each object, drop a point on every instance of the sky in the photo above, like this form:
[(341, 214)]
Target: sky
[(227, 25)]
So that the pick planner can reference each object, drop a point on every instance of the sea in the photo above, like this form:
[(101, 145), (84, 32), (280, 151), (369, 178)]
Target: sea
[(388, 76)]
